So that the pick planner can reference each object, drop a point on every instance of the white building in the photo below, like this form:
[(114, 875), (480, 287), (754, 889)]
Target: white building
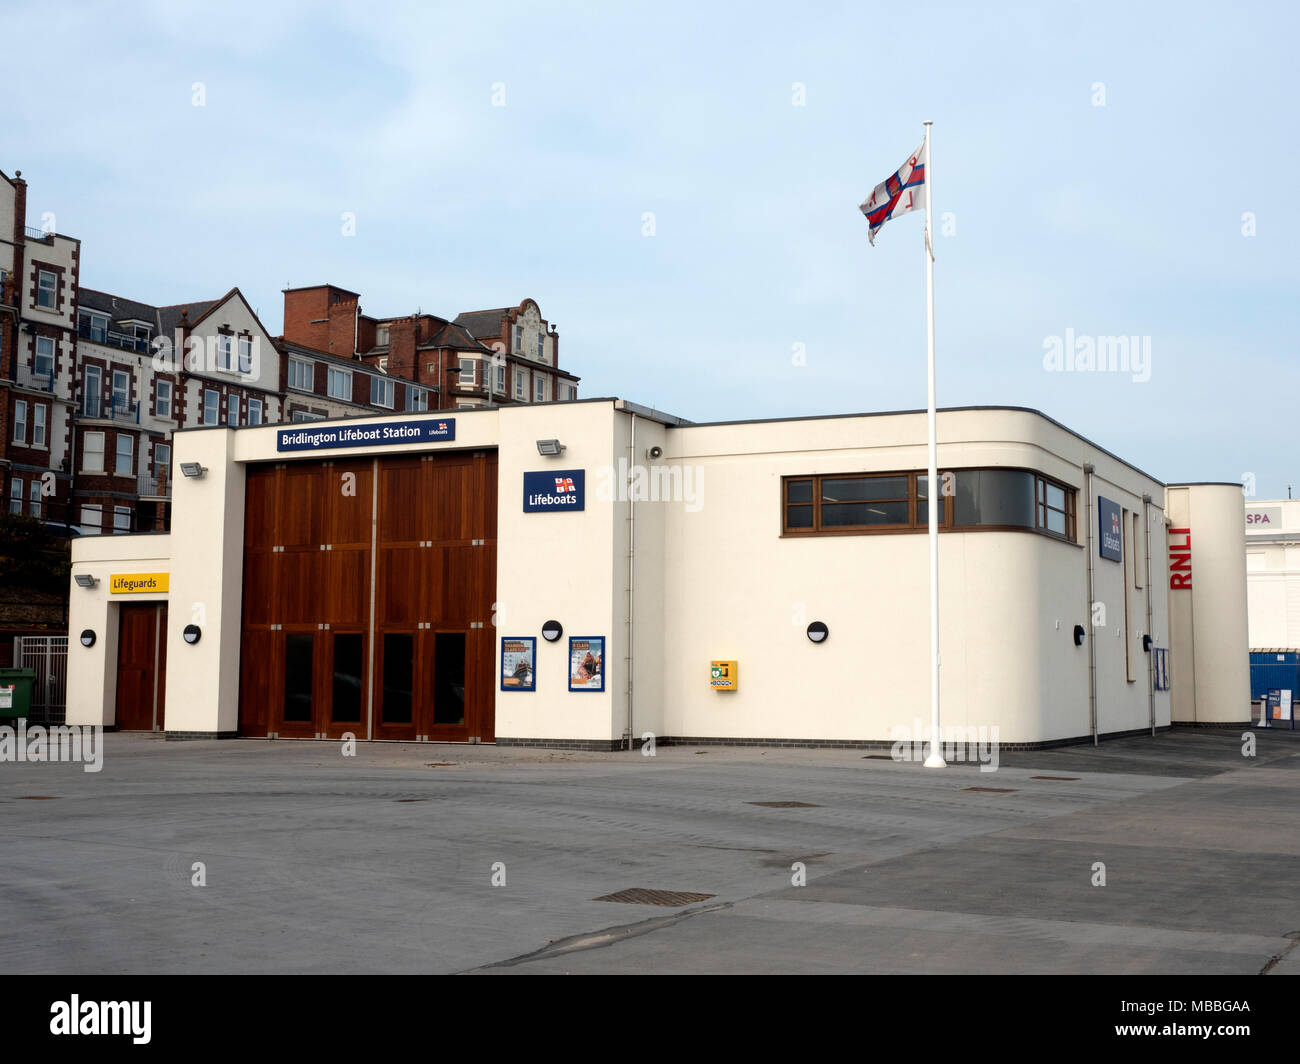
[(400, 577), (1273, 573)]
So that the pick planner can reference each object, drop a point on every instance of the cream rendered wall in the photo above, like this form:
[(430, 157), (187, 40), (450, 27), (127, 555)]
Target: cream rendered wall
[(736, 589), (560, 566), (92, 671), (1273, 577), (1210, 620)]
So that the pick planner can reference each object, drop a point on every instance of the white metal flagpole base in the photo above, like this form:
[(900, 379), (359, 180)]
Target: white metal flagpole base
[(935, 760)]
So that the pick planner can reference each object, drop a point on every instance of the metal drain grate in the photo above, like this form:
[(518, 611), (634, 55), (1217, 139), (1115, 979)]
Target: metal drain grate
[(786, 805), (38, 797), (1055, 777), (643, 896), (992, 790), (878, 757), (410, 799)]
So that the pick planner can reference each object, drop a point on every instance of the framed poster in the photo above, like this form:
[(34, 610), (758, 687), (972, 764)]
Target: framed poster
[(587, 663), (518, 663)]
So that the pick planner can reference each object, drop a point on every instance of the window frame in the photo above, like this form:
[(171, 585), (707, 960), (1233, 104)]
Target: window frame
[(232, 410), (118, 513), (37, 356), (947, 522), (382, 388), (162, 406), (254, 405), (40, 421), (42, 290), (225, 353), (214, 408), (85, 450), (16, 496), (245, 360), (20, 422), (35, 498), (130, 455), (303, 366), (333, 373), (417, 398)]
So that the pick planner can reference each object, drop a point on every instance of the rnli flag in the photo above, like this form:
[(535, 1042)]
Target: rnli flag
[(899, 193)]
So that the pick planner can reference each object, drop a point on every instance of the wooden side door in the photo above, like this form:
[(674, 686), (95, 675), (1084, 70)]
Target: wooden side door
[(137, 666)]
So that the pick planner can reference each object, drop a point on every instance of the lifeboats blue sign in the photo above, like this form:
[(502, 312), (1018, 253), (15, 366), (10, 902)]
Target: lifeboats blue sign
[(304, 437), (554, 489), (1110, 542)]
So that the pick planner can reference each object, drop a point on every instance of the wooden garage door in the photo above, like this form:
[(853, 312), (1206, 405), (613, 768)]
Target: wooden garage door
[(311, 663)]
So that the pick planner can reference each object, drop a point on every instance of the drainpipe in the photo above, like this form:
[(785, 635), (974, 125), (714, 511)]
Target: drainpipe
[(1089, 469), (1151, 652), (631, 572)]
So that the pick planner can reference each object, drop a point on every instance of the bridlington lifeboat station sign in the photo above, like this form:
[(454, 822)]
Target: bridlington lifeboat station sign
[(305, 437)]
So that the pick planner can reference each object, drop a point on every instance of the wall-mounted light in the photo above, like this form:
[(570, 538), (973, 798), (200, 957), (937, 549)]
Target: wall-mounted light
[(654, 452), (818, 632), (1146, 643), (88, 638), (85, 580), (549, 448), (1079, 633), (192, 634), (552, 630), (193, 469)]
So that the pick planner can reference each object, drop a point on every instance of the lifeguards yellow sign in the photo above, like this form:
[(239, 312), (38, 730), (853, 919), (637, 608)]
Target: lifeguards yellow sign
[(137, 583)]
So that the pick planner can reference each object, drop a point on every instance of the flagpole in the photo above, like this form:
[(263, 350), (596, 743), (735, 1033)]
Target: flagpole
[(933, 497)]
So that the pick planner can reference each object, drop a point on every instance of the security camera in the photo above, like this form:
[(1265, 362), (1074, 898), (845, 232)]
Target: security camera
[(655, 452)]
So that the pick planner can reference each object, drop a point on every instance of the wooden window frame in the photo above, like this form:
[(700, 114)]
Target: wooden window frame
[(948, 517)]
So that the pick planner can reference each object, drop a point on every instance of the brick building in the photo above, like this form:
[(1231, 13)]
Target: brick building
[(502, 356)]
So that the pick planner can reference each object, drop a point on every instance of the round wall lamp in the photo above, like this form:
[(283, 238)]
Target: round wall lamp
[(552, 630), (818, 632), (88, 638), (1078, 635), (192, 634)]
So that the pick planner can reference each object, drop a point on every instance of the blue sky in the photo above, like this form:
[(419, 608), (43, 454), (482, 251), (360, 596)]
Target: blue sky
[(1119, 219)]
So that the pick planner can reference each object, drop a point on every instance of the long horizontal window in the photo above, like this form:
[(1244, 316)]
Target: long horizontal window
[(836, 504)]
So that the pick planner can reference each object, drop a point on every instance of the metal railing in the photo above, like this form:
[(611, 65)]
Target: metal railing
[(37, 234), (114, 410), (154, 487), (30, 378), (113, 339)]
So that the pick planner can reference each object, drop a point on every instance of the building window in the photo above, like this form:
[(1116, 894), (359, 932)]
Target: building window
[(223, 353), (381, 335), (466, 371), (541, 390), (92, 452), (47, 289), (255, 411), (121, 519), (15, 496), (91, 520), (541, 346), (125, 452), (232, 410), (20, 421), (92, 391), (300, 374), (306, 415), (211, 406), (121, 391), (894, 502), (417, 398), (501, 377), (245, 355), (163, 399), (339, 384), (45, 357), (162, 458), (521, 384), (38, 424), (36, 500), (519, 339), (381, 392), (383, 363)]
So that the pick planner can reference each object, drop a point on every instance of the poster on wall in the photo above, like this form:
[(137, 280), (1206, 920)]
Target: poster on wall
[(587, 663), (518, 663)]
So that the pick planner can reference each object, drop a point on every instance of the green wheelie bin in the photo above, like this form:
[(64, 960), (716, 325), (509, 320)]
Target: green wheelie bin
[(16, 692)]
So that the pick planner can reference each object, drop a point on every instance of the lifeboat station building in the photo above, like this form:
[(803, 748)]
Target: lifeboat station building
[(581, 574)]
